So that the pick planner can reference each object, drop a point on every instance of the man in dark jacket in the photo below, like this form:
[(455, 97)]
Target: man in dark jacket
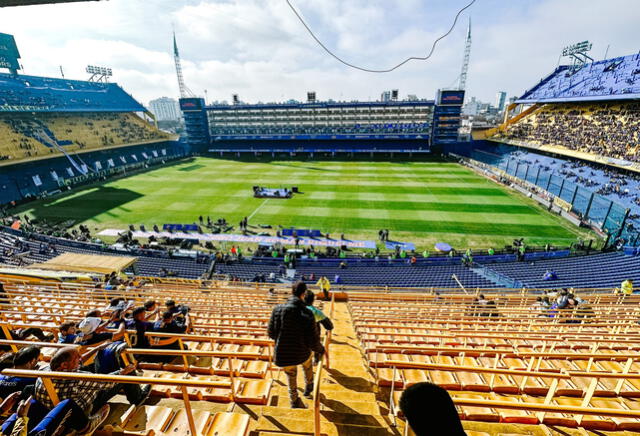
[(292, 326)]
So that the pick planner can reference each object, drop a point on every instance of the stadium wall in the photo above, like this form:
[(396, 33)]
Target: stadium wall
[(321, 146), (34, 179)]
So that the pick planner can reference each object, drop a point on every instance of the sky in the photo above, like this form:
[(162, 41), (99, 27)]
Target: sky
[(260, 51)]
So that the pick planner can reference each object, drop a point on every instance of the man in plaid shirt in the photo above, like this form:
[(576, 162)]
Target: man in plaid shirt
[(89, 395)]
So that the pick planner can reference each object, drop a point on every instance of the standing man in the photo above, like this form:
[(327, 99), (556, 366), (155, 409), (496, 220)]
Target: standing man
[(292, 327), (325, 286)]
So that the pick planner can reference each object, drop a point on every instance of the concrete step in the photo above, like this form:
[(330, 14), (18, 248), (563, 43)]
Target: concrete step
[(275, 424)]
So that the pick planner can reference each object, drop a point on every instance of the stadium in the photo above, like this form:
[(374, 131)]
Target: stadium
[(158, 282)]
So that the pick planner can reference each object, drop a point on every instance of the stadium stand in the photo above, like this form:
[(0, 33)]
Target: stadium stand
[(609, 79), (606, 270), (511, 368), (43, 135), (605, 129), (44, 94), (56, 133)]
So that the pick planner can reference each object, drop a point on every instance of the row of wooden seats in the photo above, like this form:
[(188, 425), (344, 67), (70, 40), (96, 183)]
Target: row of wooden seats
[(244, 391), (499, 342), (520, 416), (473, 379), (255, 390), (159, 420)]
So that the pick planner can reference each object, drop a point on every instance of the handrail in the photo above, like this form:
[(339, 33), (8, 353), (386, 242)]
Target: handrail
[(109, 378), (510, 353), (546, 407), (46, 377), (476, 369), (316, 391)]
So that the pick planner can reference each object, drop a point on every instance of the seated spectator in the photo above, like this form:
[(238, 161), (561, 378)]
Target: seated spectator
[(173, 308), (172, 322), (6, 360), (550, 275), (65, 418), (430, 411), (92, 329), (142, 326), (90, 396), (151, 310), (25, 358), (67, 333)]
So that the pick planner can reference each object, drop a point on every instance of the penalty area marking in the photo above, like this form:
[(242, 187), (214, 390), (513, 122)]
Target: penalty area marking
[(257, 209)]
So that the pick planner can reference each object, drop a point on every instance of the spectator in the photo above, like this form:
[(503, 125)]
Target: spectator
[(142, 326), (20, 427), (292, 327), (25, 358), (90, 396), (92, 329), (626, 287), (151, 310), (318, 315), (174, 309), (67, 333), (325, 286), (430, 411), (173, 322), (550, 275)]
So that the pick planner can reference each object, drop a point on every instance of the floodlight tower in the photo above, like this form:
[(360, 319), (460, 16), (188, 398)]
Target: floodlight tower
[(184, 91), (465, 60), (578, 54)]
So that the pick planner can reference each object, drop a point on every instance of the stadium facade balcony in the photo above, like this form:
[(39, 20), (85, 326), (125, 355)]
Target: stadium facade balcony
[(319, 125), (609, 79)]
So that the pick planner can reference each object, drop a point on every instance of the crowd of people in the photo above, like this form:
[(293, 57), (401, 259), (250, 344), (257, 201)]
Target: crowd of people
[(102, 331), (33, 136), (604, 129)]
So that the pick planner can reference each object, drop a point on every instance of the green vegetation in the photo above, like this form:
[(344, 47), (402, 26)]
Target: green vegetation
[(423, 202)]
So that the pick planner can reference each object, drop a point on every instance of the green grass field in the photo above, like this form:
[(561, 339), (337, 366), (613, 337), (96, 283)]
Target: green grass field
[(423, 202)]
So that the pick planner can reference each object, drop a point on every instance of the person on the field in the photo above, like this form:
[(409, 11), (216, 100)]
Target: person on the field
[(293, 328)]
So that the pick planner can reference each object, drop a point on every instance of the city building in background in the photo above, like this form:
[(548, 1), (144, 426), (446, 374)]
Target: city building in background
[(501, 99), (165, 109)]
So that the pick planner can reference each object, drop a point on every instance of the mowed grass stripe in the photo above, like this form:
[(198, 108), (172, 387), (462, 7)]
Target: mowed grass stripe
[(408, 225), (419, 206), (398, 214), (421, 189), (424, 202)]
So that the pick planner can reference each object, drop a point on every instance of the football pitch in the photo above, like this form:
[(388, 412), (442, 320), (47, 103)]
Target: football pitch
[(420, 202)]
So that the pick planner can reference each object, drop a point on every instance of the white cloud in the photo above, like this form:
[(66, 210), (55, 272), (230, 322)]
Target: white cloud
[(258, 49)]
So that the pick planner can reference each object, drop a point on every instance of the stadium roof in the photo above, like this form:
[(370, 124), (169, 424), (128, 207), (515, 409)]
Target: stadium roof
[(609, 79), (6, 3)]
